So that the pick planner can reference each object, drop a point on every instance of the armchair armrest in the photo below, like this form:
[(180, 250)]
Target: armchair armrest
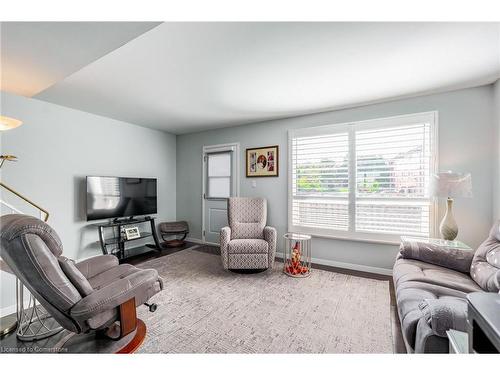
[(225, 237), (114, 294), (96, 265), (445, 256), (270, 237)]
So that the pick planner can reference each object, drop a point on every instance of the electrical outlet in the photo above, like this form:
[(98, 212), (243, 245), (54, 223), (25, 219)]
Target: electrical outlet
[(254, 183)]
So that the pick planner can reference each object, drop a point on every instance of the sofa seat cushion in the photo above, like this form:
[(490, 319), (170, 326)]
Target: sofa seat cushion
[(414, 270), (410, 295), (248, 246)]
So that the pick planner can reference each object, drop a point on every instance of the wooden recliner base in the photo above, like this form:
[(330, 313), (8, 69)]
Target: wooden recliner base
[(111, 338)]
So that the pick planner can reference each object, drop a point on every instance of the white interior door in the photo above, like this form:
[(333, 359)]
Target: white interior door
[(220, 176)]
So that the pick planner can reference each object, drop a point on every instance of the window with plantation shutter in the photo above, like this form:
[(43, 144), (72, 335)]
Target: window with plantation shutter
[(367, 180)]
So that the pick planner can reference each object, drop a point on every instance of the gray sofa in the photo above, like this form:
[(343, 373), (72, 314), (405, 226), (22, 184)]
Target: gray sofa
[(431, 285)]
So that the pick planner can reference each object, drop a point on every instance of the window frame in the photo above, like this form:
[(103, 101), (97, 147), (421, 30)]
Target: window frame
[(208, 177), (351, 234)]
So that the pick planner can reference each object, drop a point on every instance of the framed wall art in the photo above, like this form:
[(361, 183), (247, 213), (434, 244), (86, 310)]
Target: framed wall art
[(263, 161)]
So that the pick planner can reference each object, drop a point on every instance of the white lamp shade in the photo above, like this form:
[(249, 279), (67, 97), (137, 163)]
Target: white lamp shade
[(452, 184)]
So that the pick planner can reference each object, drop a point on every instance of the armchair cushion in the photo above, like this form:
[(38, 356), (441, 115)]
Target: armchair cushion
[(75, 276), (445, 256), (95, 265), (247, 217), (247, 230), (248, 246)]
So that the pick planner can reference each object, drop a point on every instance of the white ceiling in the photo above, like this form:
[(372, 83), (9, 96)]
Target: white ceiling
[(184, 77), (35, 55)]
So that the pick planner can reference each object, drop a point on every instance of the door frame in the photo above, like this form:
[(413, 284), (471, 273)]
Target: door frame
[(235, 147)]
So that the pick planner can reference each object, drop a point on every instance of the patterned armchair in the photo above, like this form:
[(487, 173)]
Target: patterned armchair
[(247, 243)]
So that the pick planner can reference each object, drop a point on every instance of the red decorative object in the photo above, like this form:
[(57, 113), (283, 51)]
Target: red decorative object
[(297, 257)]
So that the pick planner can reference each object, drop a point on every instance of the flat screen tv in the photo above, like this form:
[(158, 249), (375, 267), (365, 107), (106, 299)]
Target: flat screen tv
[(115, 197)]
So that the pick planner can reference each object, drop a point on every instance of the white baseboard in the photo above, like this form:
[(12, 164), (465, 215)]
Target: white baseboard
[(7, 310), (201, 242), (324, 262), (349, 266)]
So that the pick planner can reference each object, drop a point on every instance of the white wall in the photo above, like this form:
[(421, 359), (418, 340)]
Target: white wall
[(496, 173), (465, 144), (57, 147)]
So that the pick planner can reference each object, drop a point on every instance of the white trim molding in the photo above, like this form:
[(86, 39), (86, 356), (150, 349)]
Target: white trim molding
[(235, 148), (348, 266)]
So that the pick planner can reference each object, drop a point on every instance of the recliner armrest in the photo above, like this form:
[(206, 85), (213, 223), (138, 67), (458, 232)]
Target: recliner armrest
[(115, 293), (96, 265)]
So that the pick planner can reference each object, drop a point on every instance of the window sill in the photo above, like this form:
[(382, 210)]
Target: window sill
[(352, 239)]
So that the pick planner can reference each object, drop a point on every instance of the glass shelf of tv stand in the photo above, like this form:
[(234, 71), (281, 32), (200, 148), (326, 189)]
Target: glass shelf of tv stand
[(115, 240)]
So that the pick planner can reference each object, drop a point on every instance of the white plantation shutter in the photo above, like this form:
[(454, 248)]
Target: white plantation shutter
[(367, 180), (320, 181), (392, 180)]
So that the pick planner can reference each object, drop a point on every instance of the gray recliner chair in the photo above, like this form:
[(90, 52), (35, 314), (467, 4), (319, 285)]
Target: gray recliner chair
[(93, 294), (247, 243)]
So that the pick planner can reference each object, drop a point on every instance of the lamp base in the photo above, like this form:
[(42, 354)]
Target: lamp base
[(448, 227)]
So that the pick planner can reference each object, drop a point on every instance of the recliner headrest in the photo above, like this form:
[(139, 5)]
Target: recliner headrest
[(16, 225)]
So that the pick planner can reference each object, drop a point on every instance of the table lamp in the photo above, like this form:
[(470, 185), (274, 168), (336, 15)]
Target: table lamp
[(451, 185)]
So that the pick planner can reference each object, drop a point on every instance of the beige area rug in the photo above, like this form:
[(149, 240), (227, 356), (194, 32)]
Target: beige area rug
[(205, 309)]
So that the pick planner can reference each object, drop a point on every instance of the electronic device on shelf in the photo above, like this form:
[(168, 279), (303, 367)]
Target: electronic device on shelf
[(120, 197)]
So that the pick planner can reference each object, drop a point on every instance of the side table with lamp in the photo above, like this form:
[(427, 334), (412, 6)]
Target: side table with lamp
[(451, 185)]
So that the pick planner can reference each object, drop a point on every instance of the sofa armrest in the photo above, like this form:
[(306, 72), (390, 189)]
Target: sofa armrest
[(444, 314), (270, 237), (426, 341), (445, 256), (96, 265), (225, 237)]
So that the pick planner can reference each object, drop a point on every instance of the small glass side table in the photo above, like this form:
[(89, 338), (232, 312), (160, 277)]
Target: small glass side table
[(459, 341), (297, 255)]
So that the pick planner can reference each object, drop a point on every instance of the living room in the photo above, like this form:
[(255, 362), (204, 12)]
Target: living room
[(250, 187)]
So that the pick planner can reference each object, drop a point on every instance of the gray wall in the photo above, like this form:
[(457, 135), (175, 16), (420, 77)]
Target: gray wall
[(57, 147), (466, 144), (496, 173)]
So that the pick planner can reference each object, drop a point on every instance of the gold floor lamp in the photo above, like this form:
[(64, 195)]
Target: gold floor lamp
[(9, 323)]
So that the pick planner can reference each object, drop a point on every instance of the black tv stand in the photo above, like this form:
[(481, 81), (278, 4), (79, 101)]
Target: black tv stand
[(125, 221), (115, 244)]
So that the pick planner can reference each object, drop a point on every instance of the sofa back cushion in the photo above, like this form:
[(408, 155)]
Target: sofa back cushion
[(247, 217), (485, 268)]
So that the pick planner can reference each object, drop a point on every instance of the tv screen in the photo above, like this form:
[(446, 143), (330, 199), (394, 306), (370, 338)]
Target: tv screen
[(114, 197)]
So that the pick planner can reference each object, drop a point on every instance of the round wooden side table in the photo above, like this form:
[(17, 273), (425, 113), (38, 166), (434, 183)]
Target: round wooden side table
[(297, 255)]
